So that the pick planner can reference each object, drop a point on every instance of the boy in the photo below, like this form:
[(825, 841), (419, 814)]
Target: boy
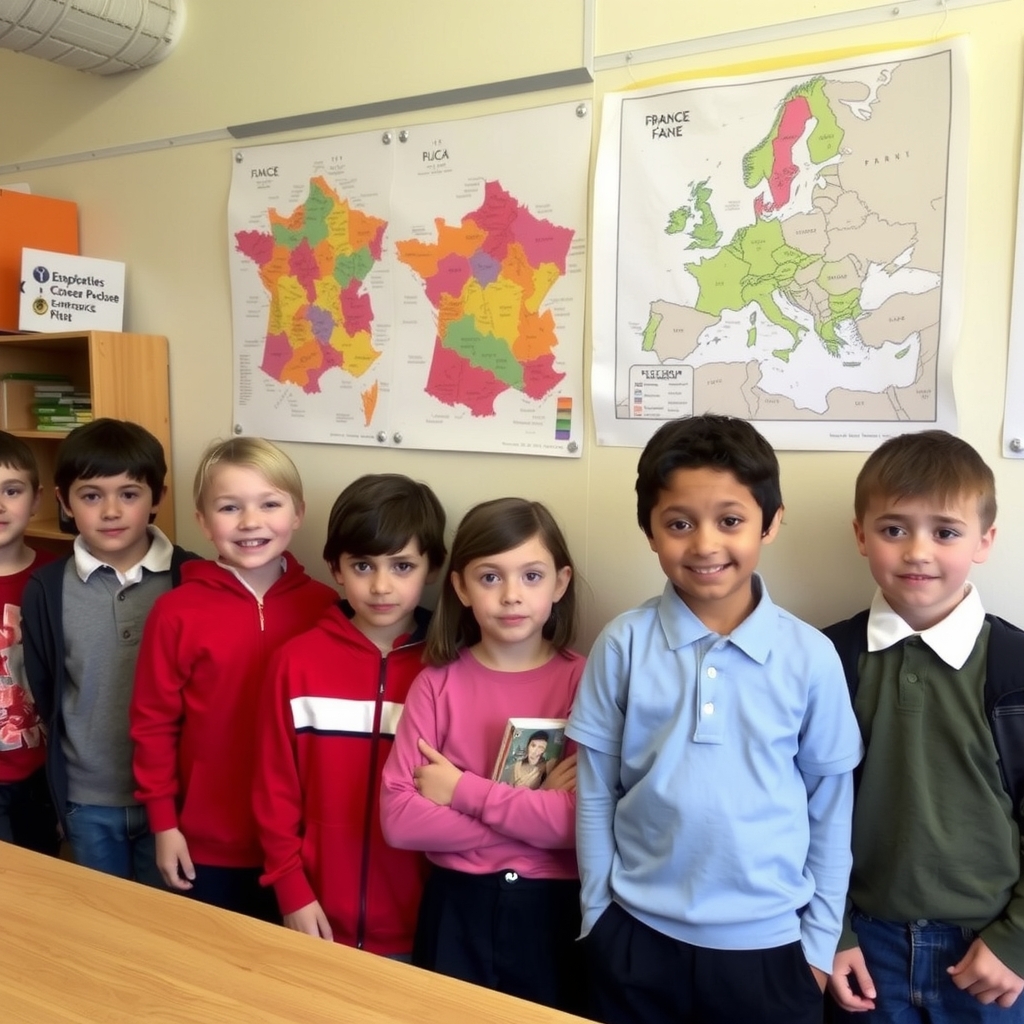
[(26, 814), (333, 699), (716, 746), (82, 620), (197, 686), (936, 924)]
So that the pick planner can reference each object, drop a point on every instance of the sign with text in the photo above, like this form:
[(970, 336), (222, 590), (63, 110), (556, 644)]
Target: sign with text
[(69, 293)]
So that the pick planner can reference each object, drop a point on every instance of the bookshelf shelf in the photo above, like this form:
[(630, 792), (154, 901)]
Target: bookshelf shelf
[(126, 376)]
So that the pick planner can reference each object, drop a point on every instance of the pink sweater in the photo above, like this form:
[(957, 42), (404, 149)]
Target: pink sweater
[(461, 710)]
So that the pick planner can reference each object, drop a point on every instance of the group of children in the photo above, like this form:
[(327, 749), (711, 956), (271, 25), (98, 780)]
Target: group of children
[(233, 731)]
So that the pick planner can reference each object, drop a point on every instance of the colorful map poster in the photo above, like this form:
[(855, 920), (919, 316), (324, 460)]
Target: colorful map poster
[(421, 287), (786, 247)]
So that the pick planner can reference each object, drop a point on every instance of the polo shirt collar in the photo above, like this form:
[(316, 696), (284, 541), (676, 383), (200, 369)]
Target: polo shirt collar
[(156, 559), (753, 635), (952, 639)]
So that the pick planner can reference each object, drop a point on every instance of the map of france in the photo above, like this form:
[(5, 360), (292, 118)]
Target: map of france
[(313, 263), (487, 278)]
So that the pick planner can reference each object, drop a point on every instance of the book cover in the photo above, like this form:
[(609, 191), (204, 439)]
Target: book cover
[(529, 749)]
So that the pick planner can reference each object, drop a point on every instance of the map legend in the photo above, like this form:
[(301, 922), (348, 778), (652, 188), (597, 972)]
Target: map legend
[(563, 420), (660, 392)]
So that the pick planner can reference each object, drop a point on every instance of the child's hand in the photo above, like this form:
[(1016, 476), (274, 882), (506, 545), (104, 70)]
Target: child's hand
[(562, 776), (310, 920), (438, 779), (173, 860), (849, 963), (986, 977)]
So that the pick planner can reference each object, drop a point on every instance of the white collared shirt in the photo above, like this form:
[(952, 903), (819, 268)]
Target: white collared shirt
[(952, 639), (156, 559)]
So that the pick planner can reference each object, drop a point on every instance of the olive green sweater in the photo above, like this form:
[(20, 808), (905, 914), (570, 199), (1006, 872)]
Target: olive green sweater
[(933, 833)]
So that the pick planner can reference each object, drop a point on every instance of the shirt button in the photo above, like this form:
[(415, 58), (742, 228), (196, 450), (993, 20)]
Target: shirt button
[(911, 678), (120, 596), (709, 708), (712, 672), (511, 876), (126, 634)]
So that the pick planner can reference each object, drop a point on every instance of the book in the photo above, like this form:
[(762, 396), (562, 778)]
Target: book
[(530, 748), (44, 409)]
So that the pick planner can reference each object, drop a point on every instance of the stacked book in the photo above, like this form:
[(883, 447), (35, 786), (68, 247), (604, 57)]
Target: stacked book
[(57, 406)]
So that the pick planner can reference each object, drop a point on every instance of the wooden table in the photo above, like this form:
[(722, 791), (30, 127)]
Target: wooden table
[(80, 946)]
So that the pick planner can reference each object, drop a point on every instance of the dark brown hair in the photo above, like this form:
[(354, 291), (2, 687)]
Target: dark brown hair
[(489, 529), (708, 442), (107, 447), (379, 514), (930, 464)]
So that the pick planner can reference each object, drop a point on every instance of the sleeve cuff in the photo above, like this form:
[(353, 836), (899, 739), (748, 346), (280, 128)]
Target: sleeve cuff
[(293, 892), (470, 793), (162, 814), (1007, 943)]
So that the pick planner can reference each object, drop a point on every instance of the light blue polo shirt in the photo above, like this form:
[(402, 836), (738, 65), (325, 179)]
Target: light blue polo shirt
[(714, 788)]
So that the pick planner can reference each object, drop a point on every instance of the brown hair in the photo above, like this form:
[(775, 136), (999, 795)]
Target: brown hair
[(16, 455), (379, 514), (930, 464), (722, 443), (489, 529)]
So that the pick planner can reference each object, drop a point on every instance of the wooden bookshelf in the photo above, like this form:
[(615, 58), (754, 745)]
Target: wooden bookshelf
[(125, 374)]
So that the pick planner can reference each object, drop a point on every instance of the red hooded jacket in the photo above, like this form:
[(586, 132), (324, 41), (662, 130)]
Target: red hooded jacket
[(327, 723), (198, 681)]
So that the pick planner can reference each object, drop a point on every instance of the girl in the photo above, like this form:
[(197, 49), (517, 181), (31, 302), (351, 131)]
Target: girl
[(501, 907), (531, 768), (200, 670)]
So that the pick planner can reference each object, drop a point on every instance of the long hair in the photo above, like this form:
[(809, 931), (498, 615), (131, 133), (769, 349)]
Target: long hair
[(490, 529)]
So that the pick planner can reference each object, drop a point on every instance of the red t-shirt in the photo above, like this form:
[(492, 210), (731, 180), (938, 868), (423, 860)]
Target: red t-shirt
[(22, 748)]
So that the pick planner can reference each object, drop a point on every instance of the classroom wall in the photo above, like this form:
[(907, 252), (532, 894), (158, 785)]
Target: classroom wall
[(164, 213)]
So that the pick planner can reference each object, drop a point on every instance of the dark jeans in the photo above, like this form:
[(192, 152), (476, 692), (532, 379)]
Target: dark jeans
[(907, 963), (638, 974), (26, 814), (236, 889)]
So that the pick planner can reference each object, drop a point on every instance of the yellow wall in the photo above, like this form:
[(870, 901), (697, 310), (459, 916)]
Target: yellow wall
[(164, 214)]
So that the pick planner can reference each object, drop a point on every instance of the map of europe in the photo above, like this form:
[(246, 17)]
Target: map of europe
[(313, 263), (487, 278), (794, 230)]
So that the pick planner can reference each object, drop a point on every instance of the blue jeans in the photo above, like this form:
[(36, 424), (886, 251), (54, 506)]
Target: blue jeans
[(114, 840), (908, 965)]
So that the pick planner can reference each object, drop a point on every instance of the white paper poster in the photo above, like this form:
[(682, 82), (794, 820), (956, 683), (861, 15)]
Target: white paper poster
[(785, 247), (422, 287)]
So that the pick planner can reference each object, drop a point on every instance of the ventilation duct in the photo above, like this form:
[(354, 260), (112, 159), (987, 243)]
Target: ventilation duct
[(100, 36)]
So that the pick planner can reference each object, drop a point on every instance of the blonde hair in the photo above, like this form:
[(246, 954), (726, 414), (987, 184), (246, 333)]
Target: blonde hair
[(253, 453)]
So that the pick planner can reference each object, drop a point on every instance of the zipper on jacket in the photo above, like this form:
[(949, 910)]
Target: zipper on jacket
[(371, 803), (259, 607)]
